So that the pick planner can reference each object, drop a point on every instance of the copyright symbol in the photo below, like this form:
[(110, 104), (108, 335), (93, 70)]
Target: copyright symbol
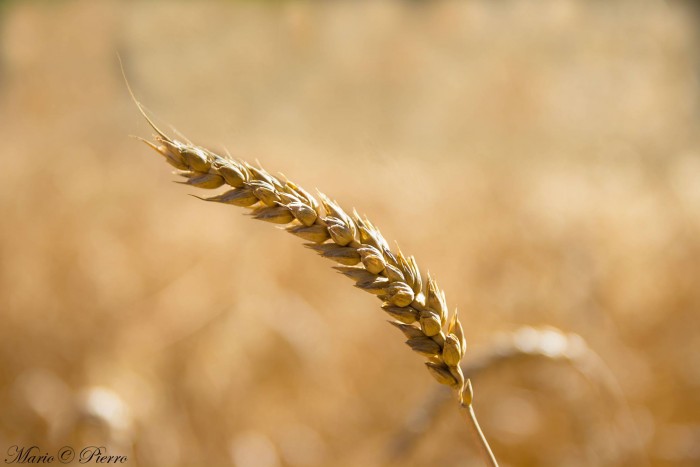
[(66, 454)]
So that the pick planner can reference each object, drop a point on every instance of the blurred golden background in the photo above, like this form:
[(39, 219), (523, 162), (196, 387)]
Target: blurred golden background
[(540, 158)]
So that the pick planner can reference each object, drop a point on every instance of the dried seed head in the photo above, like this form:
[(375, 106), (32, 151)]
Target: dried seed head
[(367, 235), (417, 281), (400, 294), (393, 274), (312, 233), (286, 199), (435, 299), (304, 195), (441, 373), (336, 211), (170, 152), (372, 259), (375, 286), (458, 375), (411, 332), (407, 314), (405, 267), (381, 242), (430, 323), (233, 175), (265, 192), (304, 214), (439, 338), (396, 279), (355, 273), (196, 159), (177, 162), (209, 181), (340, 254), (275, 215), (339, 231), (238, 197), (467, 395), (455, 328), (451, 352), (424, 346), (391, 259), (262, 175)]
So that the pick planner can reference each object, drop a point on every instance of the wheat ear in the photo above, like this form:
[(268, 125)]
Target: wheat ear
[(417, 307)]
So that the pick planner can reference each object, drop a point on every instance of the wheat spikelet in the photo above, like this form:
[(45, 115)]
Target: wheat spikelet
[(417, 307)]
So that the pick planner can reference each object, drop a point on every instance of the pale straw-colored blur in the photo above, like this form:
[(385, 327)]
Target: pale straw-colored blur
[(540, 158)]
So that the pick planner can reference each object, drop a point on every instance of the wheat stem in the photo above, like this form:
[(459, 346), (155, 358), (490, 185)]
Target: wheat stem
[(470, 415)]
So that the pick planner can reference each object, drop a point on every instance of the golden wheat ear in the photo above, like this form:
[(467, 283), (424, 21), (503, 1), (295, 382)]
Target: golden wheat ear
[(417, 308)]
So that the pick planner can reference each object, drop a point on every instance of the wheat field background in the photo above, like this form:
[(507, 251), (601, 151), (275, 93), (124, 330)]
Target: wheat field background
[(541, 159)]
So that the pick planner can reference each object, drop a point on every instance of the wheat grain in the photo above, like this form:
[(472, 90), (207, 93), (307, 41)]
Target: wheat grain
[(418, 307)]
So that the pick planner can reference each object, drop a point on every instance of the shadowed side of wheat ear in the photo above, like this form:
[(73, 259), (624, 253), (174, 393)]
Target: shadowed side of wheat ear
[(417, 307)]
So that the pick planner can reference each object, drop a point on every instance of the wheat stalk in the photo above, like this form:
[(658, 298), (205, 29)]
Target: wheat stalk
[(417, 307)]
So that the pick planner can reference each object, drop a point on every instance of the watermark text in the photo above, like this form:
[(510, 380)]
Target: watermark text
[(67, 454)]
